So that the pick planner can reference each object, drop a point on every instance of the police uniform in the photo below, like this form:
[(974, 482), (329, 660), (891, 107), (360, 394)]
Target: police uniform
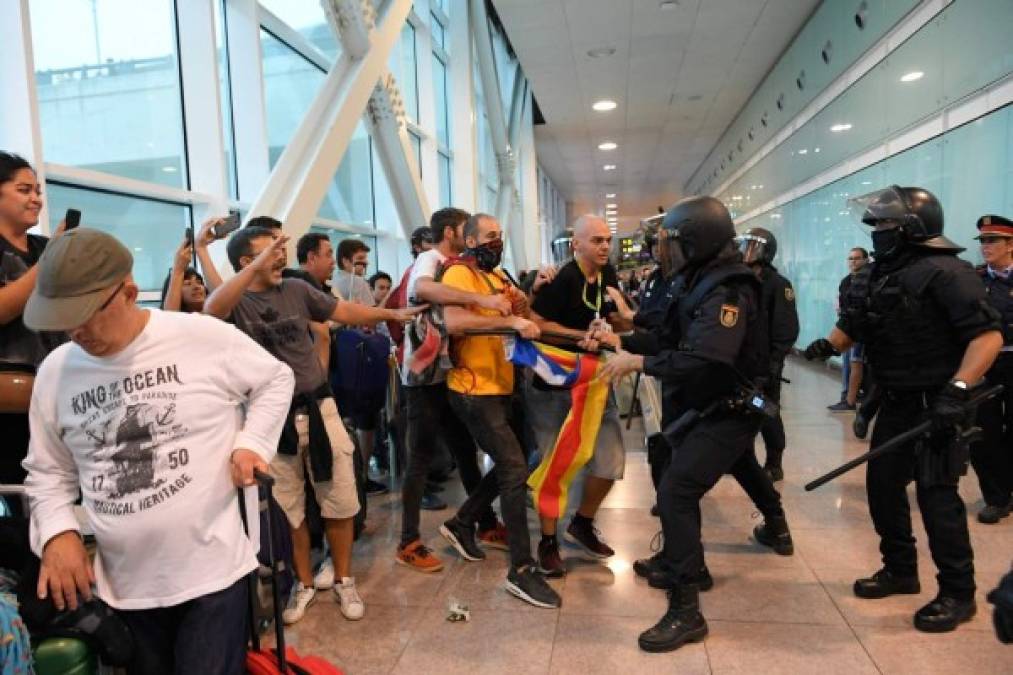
[(713, 339), (922, 309), (992, 458), (782, 314)]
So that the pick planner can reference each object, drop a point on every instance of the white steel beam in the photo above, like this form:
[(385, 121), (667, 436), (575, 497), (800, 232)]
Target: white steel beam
[(19, 115), (299, 181), (385, 113), (506, 160)]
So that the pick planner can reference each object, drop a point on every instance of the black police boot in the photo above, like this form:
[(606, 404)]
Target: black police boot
[(860, 425), (774, 533), (774, 472), (682, 623), (884, 583), (944, 614)]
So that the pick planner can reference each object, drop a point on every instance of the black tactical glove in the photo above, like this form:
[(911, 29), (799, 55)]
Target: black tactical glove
[(819, 349), (949, 410), (1002, 597)]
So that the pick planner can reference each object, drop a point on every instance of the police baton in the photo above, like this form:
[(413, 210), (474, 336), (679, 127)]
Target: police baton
[(892, 444)]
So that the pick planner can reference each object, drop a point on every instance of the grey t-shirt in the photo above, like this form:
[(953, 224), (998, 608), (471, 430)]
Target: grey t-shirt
[(353, 288), (278, 319)]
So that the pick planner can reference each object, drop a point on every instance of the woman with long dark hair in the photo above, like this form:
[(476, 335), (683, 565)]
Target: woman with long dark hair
[(184, 289)]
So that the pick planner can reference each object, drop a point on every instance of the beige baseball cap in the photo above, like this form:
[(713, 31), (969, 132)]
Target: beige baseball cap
[(74, 272)]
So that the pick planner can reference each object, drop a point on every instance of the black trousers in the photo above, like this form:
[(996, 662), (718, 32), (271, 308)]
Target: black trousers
[(992, 458), (943, 511), (772, 428), (430, 422), (204, 635), (715, 446)]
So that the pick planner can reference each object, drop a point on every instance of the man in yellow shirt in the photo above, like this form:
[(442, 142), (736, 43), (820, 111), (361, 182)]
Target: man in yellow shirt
[(480, 387)]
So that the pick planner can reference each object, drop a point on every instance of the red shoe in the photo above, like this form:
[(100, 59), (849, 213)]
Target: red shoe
[(495, 537)]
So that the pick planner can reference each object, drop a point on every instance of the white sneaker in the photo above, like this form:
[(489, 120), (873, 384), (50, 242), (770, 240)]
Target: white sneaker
[(348, 598), (300, 600), (324, 578)]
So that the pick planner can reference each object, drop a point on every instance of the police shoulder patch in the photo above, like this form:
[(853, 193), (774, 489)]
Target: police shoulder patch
[(729, 315), (789, 294)]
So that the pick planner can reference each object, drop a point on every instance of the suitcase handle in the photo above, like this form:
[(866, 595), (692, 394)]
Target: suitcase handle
[(267, 482)]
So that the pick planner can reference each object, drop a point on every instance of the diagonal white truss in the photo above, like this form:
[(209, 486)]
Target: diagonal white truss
[(299, 181)]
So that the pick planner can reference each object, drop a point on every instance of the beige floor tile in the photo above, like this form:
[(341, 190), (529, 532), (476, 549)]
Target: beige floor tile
[(775, 649), (372, 645), (613, 590), (480, 586), (903, 651), (494, 641), (608, 645), (768, 594)]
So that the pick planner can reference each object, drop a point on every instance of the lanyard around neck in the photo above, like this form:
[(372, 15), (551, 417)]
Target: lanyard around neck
[(596, 307)]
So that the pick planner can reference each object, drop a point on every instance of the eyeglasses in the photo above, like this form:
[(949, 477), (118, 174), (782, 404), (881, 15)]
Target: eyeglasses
[(110, 298)]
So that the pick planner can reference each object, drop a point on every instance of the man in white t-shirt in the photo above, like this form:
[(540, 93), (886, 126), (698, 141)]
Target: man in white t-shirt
[(154, 418), (429, 416)]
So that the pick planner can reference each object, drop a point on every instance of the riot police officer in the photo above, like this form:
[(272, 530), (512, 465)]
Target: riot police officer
[(992, 458), (758, 247), (712, 348), (930, 336)]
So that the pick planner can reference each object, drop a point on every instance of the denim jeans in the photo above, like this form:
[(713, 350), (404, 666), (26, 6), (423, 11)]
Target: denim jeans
[(431, 419), (488, 419), (204, 635)]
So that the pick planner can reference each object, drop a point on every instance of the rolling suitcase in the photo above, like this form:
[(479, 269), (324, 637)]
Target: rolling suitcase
[(281, 659)]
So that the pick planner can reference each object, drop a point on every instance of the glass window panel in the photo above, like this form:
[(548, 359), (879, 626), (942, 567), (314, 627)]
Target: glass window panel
[(417, 145), (290, 84), (107, 80), (446, 181), (441, 103), (152, 230), (225, 85), (307, 17), (402, 65), (439, 34)]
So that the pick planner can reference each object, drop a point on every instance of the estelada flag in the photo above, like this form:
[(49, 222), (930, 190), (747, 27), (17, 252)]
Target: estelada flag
[(574, 446)]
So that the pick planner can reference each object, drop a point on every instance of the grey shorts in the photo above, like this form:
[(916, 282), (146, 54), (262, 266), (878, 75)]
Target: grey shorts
[(337, 497), (548, 409)]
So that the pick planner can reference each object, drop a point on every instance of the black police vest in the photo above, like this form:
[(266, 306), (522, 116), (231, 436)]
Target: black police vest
[(752, 360), (909, 341), (1000, 297)]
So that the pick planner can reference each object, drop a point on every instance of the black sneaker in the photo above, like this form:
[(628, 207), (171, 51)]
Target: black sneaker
[(528, 584), (374, 487), (990, 515), (584, 534), (860, 426), (774, 533), (431, 502), (549, 561), (462, 538), (841, 407)]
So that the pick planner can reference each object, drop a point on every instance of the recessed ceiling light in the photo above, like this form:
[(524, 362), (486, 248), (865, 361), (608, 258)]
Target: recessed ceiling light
[(599, 52), (913, 76), (609, 167), (610, 195), (169, 169), (668, 4), (604, 105), (610, 206), (838, 128), (607, 145)]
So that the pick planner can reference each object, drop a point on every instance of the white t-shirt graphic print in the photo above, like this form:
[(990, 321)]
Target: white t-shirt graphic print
[(147, 435)]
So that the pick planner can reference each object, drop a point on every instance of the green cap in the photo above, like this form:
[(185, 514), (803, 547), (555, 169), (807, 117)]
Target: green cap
[(74, 272)]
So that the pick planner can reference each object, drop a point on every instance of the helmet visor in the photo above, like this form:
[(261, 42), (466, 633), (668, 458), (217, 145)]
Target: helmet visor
[(670, 253), (753, 247), (882, 206)]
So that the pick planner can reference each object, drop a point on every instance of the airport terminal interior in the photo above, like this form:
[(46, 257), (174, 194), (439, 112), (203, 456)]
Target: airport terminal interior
[(358, 120)]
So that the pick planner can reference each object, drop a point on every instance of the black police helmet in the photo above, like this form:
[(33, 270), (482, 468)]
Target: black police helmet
[(703, 225), (919, 212), (421, 235), (758, 245)]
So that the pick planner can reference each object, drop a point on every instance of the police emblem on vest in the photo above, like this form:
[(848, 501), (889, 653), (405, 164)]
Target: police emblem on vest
[(729, 315)]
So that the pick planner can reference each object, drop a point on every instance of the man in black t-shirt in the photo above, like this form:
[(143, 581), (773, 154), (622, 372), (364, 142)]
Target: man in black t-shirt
[(569, 304)]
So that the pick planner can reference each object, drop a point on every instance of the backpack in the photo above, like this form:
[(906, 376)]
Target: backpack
[(398, 299), (359, 371)]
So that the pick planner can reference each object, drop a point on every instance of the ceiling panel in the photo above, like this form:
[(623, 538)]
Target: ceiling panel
[(679, 75)]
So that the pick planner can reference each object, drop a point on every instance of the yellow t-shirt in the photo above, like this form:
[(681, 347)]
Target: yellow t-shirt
[(480, 365)]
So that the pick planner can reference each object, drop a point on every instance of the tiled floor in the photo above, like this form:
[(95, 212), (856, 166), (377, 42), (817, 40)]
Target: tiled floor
[(767, 614)]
